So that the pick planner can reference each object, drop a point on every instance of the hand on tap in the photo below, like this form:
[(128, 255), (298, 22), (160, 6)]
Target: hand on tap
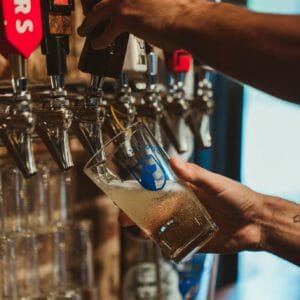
[(251, 47), (247, 220), (150, 20)]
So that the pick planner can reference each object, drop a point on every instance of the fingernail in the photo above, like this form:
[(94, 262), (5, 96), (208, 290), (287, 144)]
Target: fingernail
[(178, 161)]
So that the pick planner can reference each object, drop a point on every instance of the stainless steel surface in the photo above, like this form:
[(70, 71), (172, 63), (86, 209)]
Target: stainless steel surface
[(152, 98), (125, 99), (18, 73), (16, 134), (204, 104), (96, 83), (54, 120), (17, 123), (58, 85), (89, 116), (53, 123)]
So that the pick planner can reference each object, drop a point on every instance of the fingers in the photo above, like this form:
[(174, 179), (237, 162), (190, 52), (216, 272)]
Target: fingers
[(124, 220), (101, 12), (210, 182), (87, 5), (111, 32)]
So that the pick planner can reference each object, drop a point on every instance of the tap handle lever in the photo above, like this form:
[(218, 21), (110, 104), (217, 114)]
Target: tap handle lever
[(21, 22), (136, 58), (199, 116), (105, 62), (152, 67), (57, 27), (179, 63)]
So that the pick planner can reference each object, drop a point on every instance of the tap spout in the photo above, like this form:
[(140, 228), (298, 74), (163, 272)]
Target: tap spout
[(53, 123), (89, 117), (17, 122), (16, 134)]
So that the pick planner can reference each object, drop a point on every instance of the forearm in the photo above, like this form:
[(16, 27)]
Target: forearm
[(262, 50), (257, 49), (280, 228)]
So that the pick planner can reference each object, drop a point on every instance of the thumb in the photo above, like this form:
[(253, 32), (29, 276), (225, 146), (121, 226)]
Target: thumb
[(210, 182)]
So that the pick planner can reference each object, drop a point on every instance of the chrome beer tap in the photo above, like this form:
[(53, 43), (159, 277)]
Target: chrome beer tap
[(201, 108), (17, 123), (178, 64), (91, 113), (53, 122), (135, 64), (123, 107), (53, 116), (125, 101), (89, 116), (151, 107)]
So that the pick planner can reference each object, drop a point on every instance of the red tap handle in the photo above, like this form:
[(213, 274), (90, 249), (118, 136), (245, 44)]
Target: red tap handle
[(179, 61), (22, 26)]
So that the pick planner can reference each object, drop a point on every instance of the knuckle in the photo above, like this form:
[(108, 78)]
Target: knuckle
[(124, 8)]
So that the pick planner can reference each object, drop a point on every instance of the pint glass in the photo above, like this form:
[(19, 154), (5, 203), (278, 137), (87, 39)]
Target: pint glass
[(134, 171)]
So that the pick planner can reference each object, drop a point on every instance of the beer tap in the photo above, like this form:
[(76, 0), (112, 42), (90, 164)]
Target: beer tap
[(19, 38), (125, 101), (135, 64), (202, 108), (178, 64), (53, 117), (18, 122), (90, 114), (151, 107), (122, 108)]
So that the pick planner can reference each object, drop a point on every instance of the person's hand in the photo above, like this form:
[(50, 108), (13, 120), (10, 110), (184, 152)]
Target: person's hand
[(235, 208), (161, 23)]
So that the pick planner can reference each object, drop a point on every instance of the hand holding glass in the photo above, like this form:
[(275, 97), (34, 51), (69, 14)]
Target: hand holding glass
[(134, 171)]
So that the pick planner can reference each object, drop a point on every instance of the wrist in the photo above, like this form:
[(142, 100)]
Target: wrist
[(276, 222), (255, 233), (261, 221)]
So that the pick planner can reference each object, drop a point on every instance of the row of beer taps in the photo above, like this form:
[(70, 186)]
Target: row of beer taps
[(125, 85)]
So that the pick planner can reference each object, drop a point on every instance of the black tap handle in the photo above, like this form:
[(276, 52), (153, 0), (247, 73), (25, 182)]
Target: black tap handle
[(56, 49), (57, 27), (105, 62)]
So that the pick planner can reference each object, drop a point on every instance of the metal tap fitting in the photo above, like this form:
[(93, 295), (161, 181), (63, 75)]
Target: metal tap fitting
[(53, 122), (125, 100), (16, 128), (17, 123), (89, 117)]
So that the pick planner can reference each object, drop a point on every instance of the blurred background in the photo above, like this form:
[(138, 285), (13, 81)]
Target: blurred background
[(253, 138)]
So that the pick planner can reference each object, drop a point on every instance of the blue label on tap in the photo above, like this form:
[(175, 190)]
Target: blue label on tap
[(149, 173)]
